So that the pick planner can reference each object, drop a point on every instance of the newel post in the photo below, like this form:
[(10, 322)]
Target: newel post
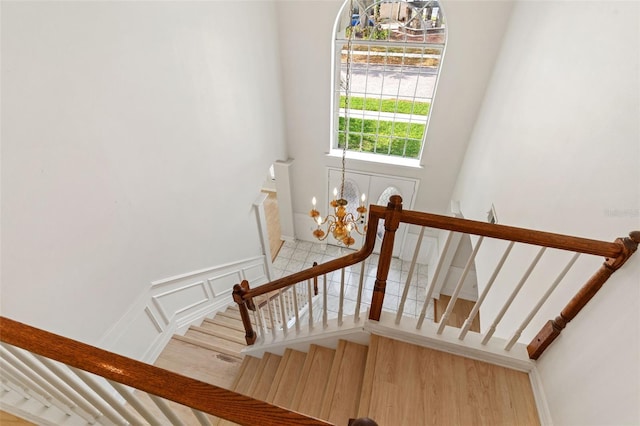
[(553, 328), (391, 223), (244, 305)]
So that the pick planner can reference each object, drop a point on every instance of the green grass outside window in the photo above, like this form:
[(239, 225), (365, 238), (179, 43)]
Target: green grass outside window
[(387, 105), (383, 137)]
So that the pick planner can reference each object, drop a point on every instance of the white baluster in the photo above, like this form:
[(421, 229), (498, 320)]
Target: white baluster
[(513, 295), (458, 288), (324, 301), (106, 396), (256, 320), (166, 410), (29, 367), (432, 284), (271, 317), (476, 306), (295, 308), (310, 302), (407, 284), (3, 384), (285, 326), (341, 303), (356, 316), (25, 387), (202, 417), (14, 386), (135, 402), (99, 402), (29, 387), (262, 324), (516, 335), (81, 394)]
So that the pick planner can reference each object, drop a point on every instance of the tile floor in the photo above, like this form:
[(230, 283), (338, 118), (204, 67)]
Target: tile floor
[(295, 256)]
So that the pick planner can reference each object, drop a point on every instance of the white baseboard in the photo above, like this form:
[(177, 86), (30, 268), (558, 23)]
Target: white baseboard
[(544, 413)]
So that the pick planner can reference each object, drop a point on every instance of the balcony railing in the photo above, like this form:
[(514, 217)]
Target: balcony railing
[(68, 374), (105, 388), (567, 247)]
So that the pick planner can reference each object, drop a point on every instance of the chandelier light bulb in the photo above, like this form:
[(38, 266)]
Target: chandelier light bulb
[(313, 202), (335, 192), (362, 199)]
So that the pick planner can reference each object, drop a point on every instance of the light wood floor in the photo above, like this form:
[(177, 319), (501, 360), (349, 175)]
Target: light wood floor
[(459, 314), (412, 385), (7, 419)]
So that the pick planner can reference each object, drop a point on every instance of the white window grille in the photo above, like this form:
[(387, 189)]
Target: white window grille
[(397, 49)]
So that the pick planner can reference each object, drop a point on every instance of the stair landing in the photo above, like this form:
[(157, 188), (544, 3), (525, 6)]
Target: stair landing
[(407, 384), (393, 382)]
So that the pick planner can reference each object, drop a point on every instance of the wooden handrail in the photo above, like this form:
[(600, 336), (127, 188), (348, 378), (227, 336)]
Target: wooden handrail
[(552, 329), (503, 232), (243, 295), (616, 253), (375, 213), (193, 393), (512, 233)]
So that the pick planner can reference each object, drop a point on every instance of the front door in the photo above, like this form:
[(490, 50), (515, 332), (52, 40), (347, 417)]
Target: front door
[(377, 189)]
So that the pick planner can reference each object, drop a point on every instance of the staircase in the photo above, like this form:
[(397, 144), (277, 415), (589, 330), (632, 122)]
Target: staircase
[(393, 382), (383, 377)]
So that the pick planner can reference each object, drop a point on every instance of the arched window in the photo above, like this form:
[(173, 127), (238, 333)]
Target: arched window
[(396, 52)]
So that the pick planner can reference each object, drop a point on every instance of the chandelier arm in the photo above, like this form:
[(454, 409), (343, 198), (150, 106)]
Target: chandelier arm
[(326, 219)]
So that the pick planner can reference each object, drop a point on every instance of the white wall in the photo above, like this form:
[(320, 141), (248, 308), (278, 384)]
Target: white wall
[(556, 147), (306, 36), (135, 138)]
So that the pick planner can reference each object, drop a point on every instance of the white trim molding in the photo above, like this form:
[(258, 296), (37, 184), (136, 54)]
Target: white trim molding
[(170, 305)]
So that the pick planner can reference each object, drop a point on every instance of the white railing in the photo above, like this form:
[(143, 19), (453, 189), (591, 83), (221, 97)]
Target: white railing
[(341, 298), (73, 396), (53, 380), (284, 311), (519, 305)]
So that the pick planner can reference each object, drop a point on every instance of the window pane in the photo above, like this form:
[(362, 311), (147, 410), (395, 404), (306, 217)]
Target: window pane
[(395, 58)]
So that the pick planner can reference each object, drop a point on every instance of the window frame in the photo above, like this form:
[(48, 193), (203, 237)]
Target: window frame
[(335, 149)]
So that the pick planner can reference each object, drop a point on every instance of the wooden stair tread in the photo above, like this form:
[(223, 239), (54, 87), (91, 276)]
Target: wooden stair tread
[(286, 379), (223, 322), (313, 381), (245, 376), (209, 346), (206, 364), (221, 332), (342, 394), (367, 379), (264, 376), (211, 338)]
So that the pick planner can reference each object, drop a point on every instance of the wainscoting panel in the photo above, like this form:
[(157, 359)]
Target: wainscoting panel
[(256, 274), (180, 299), (223, 284), (171, 305)]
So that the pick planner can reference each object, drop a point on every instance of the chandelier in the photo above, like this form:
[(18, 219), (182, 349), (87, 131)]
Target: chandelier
[(341, 223)]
